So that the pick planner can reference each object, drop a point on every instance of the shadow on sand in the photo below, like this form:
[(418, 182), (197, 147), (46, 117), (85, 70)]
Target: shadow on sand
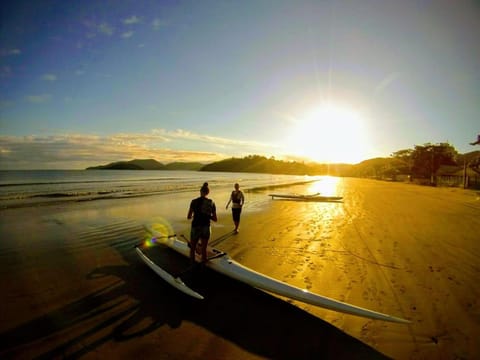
[(258, 322)]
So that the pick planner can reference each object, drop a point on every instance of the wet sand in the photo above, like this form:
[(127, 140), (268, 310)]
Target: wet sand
[(72, 285)]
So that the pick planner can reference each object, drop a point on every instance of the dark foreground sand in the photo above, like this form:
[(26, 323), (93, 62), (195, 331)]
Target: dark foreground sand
[(72, 285)]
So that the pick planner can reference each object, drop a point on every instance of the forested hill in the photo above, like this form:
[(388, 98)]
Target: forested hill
[(147, 164), (261, 164), (252, 163), (184, 166), (420, 162)]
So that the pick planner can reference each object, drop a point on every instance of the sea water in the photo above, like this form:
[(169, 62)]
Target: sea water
[(33, 187)]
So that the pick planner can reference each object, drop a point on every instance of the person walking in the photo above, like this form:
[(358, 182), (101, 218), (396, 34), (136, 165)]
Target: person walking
[(237, 199), (202, 210)]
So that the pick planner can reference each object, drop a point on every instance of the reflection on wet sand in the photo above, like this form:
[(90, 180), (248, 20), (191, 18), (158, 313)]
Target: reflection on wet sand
[(72, 284), (130, 304)]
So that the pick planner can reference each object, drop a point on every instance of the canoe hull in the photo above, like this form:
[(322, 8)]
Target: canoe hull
[(306, 197), (174, 281), (231, 268)]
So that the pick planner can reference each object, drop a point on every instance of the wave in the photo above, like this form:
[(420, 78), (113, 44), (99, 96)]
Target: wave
[(57, 188), (53, 182)]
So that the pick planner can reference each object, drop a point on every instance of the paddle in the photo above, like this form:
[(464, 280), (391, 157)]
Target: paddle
[(222, 238), (193, 266), (214, 242), (196, 264)]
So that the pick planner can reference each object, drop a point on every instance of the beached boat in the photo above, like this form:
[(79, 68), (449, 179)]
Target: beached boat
[(224, 264), (312, 197), (169, 278)]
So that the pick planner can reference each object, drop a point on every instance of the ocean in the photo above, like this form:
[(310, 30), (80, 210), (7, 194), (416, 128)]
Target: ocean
[(25, 188)]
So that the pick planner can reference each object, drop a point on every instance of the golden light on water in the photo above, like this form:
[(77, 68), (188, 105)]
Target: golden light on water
[(330, 133)]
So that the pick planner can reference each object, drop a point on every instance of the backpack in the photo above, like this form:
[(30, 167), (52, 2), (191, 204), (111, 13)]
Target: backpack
[(236, 196)]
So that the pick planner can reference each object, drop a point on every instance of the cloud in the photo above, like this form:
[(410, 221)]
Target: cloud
[(106, 29), (127, 35), (213, 140), (157, 24), (132, 20), (38, 99), (49, 77), (94, 28), (10, 52), (78, 151)]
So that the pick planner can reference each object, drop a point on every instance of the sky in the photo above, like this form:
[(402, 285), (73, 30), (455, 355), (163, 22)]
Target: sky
[(86, 83)]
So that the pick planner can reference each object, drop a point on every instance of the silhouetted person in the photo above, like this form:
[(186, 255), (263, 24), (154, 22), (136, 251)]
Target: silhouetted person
[(237, 199), (202, 210)]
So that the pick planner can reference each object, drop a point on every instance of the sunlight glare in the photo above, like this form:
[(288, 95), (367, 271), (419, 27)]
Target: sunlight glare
[(326, 186), (330, 133)]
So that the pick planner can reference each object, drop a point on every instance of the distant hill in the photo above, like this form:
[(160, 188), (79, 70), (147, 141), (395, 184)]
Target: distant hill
[(137, 164), (387, 168), (374, 168), (147, 164), (260, 164), (184, 166), (378, 167)]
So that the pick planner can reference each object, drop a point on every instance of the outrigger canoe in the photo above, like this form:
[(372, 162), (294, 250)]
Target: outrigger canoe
[(224, 264), (312, 197)]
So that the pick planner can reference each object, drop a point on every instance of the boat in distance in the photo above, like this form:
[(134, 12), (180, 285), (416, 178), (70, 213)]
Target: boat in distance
[(311, 197)]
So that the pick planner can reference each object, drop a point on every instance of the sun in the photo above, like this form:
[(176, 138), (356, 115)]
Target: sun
[(329, 133)]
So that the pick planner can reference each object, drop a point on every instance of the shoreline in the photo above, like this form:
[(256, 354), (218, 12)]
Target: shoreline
[(407, 251), (58, 198)]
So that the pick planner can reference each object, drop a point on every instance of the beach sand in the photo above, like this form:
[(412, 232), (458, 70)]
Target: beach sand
[(73, 286)]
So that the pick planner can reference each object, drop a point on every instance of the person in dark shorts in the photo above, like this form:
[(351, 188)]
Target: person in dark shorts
[(237, 199), (202, 210)]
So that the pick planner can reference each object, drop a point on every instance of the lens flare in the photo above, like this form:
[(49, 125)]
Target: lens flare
[(150, 241), (157, 228)]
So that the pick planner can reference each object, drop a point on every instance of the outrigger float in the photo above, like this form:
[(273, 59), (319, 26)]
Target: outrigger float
[(224, 264), (311, 197)]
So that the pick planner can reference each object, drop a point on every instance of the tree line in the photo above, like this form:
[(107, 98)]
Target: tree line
[(421, 162)]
